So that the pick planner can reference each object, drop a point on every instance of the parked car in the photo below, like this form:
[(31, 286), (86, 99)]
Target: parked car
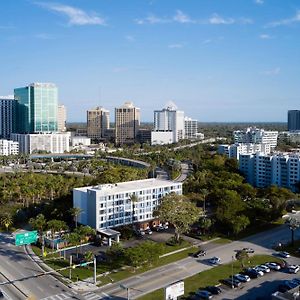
[(251, 273), (241, 277), (259, 271), (284, 254), (233, 283), (214, 260), (199, 253), (273, 266), (1, 294), (282, 288), (291, 284), (248, 250), (203, 294), (148, 231), (215, 290), (263, 268), (293, 269)]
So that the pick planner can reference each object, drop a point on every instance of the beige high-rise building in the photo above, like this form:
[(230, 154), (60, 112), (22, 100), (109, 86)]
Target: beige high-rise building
[(127, 118), (61, 118), (97, 122)]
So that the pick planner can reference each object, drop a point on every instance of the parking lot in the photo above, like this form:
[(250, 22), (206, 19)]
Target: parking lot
[(257, 289)]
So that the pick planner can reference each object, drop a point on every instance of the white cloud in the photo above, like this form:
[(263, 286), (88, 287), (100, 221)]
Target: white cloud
[(180, 17), (215, 19), (130, 38), (75, 15), (288, 21), (175, 46), (259, 1), (265, 37), (152, 19), (272, 72)]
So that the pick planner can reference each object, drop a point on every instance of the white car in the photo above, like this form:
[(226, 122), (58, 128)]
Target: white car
[(273, 266), (215, 260), (241, 277), (263, 268), (259, 271), (284, 254), (293, 269)]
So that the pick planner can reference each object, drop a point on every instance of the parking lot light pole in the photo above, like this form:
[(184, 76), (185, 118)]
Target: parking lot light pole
[(231, 271), (95, 270)]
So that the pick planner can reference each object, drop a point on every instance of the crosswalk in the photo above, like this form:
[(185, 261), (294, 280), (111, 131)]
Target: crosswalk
[(65, 296)]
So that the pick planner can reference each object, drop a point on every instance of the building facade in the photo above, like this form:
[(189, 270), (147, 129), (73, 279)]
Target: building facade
[(127, 122), (61, 118), (293, 120), (7, 116), (98, 120), (235, 150), (170, 119), (263, 170), (9, 147), (255, 135), (37, 108), (109, 205), (48, 142), (190, 129)]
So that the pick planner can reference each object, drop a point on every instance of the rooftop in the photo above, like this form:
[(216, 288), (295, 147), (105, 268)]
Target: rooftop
[(129, 186)]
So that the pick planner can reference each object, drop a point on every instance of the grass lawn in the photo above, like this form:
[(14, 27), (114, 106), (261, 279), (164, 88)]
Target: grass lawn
[(211, 277)]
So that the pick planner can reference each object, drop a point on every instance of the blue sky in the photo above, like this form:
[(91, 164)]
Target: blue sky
[(218, 60)]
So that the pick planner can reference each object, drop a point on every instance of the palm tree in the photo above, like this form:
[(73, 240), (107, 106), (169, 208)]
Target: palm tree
[(74, 238), (134, 199), (293, 225), (6, 220), (38, 223), (75, 212)]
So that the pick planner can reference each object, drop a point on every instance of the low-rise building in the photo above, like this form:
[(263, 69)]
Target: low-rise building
[(110, 205), (234, 151), (80, 141), (9, 147), (161, 137), (48, 142)]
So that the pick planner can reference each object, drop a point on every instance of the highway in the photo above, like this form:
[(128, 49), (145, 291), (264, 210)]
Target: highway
[(158, 278), (19, 269)]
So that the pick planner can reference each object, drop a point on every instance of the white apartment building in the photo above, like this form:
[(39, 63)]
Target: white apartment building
[(169, 119), (80, 141), (109, 205), (256, 136), (190, 129), (234, 151), (262, 170), (50, 142), (9, 147)]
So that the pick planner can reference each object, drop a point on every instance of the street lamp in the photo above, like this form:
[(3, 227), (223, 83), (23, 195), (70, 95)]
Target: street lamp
[(232, 271)]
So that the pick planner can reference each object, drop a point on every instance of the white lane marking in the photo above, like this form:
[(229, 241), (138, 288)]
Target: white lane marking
[(39, 288)]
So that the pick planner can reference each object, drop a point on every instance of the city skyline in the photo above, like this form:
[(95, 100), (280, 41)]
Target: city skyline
[(217, 61)]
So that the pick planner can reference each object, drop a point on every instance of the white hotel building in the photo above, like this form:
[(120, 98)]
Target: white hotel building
[(262, 170), (109, 205)]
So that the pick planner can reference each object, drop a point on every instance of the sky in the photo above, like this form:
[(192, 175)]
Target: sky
[(217, 60)]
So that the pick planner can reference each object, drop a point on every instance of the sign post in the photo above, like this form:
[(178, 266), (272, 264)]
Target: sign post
[(26, 238)]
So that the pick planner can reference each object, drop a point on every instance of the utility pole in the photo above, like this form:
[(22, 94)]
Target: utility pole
[(231, 271), (70, 272), (95, 270)]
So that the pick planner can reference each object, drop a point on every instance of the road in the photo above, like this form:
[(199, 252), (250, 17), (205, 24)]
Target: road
[(158, 278), (18, 268)]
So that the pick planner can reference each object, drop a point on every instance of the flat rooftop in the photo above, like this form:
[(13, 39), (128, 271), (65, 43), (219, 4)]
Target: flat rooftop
[(129, 186)]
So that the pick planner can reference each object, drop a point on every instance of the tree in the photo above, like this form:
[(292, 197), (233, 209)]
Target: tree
[(6, 220), (74, 238), (242, 256), (56, 226), (39, 224), (134, 199), (179, 211), (75, 212), (115, 254), (205, 224), (293, 225)]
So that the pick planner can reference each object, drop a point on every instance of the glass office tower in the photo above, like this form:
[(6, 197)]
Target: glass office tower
[(37, 108)]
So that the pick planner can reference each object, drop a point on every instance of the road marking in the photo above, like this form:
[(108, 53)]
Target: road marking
[(90, 296), (39, 288)]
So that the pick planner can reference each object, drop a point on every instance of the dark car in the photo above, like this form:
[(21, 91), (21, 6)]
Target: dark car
[(200, 253), (282, 288), (251, 273), (214, 290), (248, 250), (231, 283), (1, 294)]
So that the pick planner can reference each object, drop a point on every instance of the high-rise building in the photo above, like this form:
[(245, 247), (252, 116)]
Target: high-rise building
[(9, 147), (293, 120), (169, 126), (37, 108), (61, 118), (127, 119), (97, 122), (190, 129), (7, 116), (256, 136)]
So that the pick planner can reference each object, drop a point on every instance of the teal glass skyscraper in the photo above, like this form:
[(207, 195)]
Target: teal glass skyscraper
[(37, 108)]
